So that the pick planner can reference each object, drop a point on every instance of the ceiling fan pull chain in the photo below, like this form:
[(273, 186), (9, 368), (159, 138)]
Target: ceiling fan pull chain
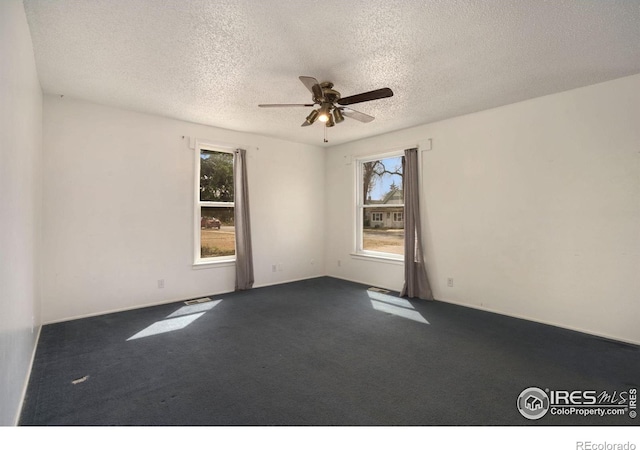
[(325, 134)]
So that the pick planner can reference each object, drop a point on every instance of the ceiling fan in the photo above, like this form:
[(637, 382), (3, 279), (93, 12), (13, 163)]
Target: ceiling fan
[(332, 108)]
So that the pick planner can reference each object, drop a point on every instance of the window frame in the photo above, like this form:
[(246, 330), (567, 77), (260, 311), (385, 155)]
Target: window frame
[(360, 206), (198, 261)]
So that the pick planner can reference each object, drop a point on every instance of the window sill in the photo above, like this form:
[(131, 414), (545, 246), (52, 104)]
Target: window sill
[(211, 264), (398, 261)]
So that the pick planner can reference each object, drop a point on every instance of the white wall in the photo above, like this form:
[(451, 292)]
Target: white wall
[(118, 209), (20, 202), (532, 208)]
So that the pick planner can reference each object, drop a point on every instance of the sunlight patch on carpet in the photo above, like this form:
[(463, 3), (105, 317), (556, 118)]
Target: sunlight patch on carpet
[(177, 320), (395, 305), (195, 308)]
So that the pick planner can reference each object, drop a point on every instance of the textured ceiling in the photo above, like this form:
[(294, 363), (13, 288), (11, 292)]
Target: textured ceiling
[(213, 62)]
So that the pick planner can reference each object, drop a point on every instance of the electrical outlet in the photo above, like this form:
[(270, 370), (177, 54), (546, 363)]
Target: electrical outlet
[(339, 263), (160, 284), (274, 268), (450, 282)]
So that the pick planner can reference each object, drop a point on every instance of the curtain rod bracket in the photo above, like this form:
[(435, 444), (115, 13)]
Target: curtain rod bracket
[(425, 145)]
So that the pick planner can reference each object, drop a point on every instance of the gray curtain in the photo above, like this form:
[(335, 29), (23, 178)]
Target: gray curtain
[(416, 283), (244, 253)]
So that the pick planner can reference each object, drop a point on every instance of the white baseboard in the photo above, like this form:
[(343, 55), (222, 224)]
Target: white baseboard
[(276, 283), (366, 283), (25, 386), (173, 300), (543, 322), (131, 308), (516, 316), (391, 288)]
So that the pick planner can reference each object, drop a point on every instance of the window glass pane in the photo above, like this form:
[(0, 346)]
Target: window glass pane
[(216, 176), (383, 210), (382, 181), (381, 232), (217, 232)]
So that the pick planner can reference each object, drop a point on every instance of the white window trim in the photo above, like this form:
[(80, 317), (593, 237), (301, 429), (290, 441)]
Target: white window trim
[(215, 261), (379, 257), (359, 252)]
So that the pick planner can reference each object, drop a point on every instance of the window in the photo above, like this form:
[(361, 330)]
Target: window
[(215, 235), (380, 207)]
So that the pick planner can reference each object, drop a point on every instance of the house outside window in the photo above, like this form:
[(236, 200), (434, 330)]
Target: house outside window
[(380, 207), (214, 206)]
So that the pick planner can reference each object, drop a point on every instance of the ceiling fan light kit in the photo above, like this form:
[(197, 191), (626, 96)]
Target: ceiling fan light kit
[(312, 117), (325, 112), (332, 108), (330, 121)]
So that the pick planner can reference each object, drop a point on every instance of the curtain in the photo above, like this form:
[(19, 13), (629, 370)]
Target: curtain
[(416, 283), (244, 253)]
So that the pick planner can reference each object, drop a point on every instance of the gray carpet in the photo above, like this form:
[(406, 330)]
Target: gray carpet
[(316, 352)]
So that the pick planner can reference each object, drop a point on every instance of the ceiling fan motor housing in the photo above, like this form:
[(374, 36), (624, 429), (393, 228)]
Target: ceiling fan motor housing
[(330, 95)]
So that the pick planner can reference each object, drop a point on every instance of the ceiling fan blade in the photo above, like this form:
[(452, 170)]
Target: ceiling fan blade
[(315, 88), (366, 96), (357, 115), (309, 82), (284, 105)]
